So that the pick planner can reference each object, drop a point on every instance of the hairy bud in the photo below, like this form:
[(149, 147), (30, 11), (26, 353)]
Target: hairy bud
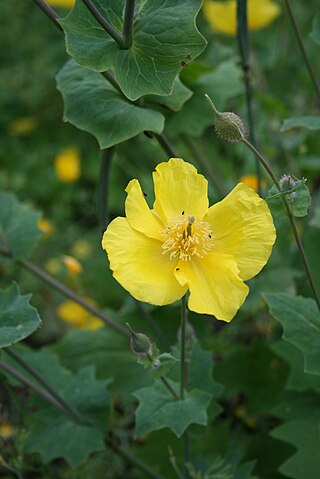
[(229, 126), (139, 342)]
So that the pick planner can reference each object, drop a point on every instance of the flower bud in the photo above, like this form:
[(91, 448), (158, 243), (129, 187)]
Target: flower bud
[(139, 342), (287, 183), (229, 126)]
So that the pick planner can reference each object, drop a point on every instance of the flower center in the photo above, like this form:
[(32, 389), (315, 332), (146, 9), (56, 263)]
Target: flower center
[(185, 237)]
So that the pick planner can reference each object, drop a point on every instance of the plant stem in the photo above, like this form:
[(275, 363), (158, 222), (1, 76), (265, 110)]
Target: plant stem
[(127, 23), (54, 283), (43, 382), (244, 48), (49, 12), (104, 23), (291, 219), (103, 188), (166, 382), (212, 173), (109, 76), (166, 145), (303, 49), (183, 378), (128, 457)]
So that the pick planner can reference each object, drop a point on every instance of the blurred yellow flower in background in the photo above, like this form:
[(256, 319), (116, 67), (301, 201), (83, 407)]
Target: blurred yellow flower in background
[(61, 3), (45, 226), (22, 125), (221, 16), (81, 249), (181, 244), (252, 181), (73, 266), (6, 429), (67, 165), (74, 314)]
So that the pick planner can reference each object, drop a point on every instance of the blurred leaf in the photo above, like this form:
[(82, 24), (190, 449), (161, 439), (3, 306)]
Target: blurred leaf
[(177, 98), (158, 409), (300, 320), (309, 122), (18, 226), (51, 433), (18, 319), (299, 200), (315, 34), (315, 221), (221, 85), (102, 111), (165, 38)]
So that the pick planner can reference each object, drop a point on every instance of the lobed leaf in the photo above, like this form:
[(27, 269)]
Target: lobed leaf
[(309, 122)]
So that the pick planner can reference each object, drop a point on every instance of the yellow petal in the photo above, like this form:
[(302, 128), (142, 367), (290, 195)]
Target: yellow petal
[(139, 266), (61, 3), (215, 285), (252, 181), (138, 213), (67, 165), (242, 226), (221, 16), (179, 188)]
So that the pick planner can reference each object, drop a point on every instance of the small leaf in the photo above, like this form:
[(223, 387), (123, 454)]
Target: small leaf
[(165, 38), (102, 111), (309, 122), (315, 34), (18, 226), (299, 200), (18, 319), (158, 409), (300, 320)]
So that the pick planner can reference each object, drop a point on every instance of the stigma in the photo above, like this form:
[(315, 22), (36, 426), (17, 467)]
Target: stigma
[(185, 237)]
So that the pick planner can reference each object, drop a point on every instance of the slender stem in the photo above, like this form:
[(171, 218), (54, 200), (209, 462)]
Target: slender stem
[(212, 173), (104, 23), (109, 76), (49, 12), (127, 24), (173, 461), (128, 457), (166, 383), (103, 188), (44, 383), (303, 49), (166, 145), (244, 48), (24, 380), (291, 219), (183, 378)]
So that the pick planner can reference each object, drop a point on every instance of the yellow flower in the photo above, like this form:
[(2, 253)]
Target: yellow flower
[(81, 249), (6, 429), (73, 266), (45, 226), (221, 16), (182, 244), (22, 125), (74, 314), (67, 165), (252, 181), (61, 3)]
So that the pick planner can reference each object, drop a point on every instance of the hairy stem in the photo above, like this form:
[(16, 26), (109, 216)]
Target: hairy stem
[(183, 378), (44, 383), (244, 48), (291, 219), (127, 24), (303, 49), (104, 23), (49, 12)]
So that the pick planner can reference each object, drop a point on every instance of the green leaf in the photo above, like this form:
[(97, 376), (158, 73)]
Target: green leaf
[(165, 38), (175, 101), (18, 226), (309, 122), (92, 104), (300, 320), (299, 200), (51, 433), (158, 409), (221, 85), (315, 34), (18, 319)]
